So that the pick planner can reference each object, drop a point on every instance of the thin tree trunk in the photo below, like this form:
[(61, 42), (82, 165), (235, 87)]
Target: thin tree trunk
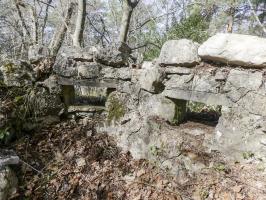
[(80, 24), (22, 20), (45, 20), (230, 24), (35, 23), (128, 7), (59, 36), (256, 17)]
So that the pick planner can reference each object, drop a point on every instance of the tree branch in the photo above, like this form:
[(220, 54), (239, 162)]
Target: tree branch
[(256, 17)]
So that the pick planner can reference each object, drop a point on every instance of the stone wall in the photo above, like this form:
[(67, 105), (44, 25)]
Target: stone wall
[(227, 70), (231, 74), (89, 75), (228, 75), (144, 101)]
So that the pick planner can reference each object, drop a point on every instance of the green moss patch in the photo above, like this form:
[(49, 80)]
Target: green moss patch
[(180, 111), (116, 109), (9, 67)]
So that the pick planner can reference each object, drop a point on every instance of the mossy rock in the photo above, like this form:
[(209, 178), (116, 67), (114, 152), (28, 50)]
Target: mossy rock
[(180, 111), (17, 73), (9, 67), (116, 106)]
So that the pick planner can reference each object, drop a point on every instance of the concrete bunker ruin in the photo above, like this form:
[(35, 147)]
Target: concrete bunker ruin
[(221, 72)]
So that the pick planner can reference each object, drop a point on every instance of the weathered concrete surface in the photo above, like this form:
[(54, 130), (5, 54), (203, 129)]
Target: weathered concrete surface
[(241, 91), (176, 149), (178, 76), (200, 85), (179, 53), (240, 132), (159, 106), (236, 49), (88, 70), (151, 79)]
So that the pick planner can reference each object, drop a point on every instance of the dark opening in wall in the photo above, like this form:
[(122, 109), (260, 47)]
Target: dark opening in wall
[(200, 112), (85, 95), (85, 101)]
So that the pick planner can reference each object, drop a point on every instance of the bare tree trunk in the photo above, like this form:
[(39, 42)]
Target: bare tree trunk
[(256, 17), (45, 20), (167, 19), (230, 24), (80, 24), (128, 7), (35, 23), (59, 36), (22, 20)]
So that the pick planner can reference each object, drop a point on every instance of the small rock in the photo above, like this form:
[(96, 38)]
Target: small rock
[(220, 76), (237, 188), (141, 172), (81, 162), (89, 133)]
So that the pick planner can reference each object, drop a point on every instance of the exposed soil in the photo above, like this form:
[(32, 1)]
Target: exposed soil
[(71, 161)]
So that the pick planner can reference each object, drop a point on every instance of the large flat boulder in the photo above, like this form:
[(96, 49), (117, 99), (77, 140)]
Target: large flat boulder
[(235, 49), (179, 53)]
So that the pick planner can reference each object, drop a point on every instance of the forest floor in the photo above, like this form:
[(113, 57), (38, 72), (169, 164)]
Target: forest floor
[(71, 160)]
